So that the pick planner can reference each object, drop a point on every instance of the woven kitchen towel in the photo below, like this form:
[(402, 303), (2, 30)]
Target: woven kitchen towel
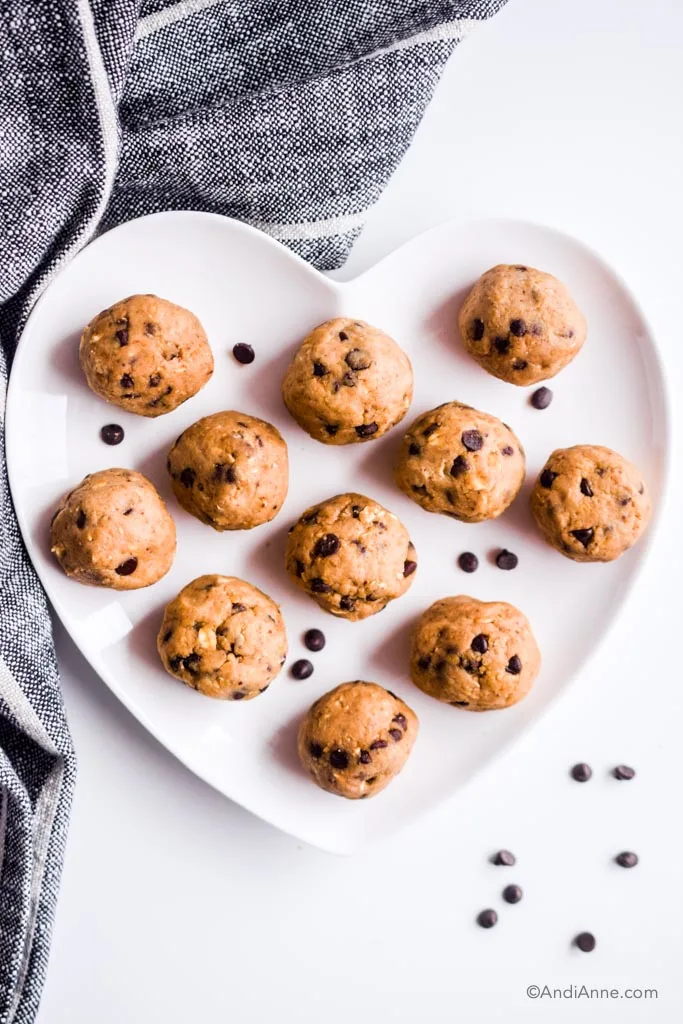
[(288, 114)]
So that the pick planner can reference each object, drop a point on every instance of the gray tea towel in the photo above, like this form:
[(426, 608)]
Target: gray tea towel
[(288, 114)]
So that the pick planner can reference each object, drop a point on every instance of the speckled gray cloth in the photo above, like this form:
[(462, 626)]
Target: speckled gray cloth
[(288, 114)]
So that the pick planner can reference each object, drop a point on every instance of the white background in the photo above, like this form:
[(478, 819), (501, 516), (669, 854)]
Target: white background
[(177, 906)]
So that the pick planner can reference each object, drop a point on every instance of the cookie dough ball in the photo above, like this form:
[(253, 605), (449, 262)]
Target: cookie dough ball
[(114, 530), (223, 637), (146, 355), (461, 463), (230, 470), (521, 324), (590, 503), (356, 738), (348, 382), (473, 654), (351, 555)]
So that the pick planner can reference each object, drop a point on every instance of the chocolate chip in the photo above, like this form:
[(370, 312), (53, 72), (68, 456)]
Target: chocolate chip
[(402, 721), (319, 370), (477, 329), (127, 381), (414, 449), (358, 359), (188, 477), (487, 919), (365, 757), (112, 433), (501, 345), (81, 520), (504, 858), (155, 380), (356, 511), (547, 477), (175, 662), (460, 466), (191, 662), (507, 450), (469, 666), (367, 429), (302, 669), (428, 431), (512, 894), (122, 336), (521, 268), (331, 429), (347, 604), (237, 607), (409, 567), (586, 488), (128, 512), (626, 859), (396, 734), (150, 328), (424, 662), (518, 328), (327, 545), (339, 758), (585, 941), (319, 586), (349, 380), (506, 559), (584, 537), (581, 772), (480, 644), (519, 364), (418, 488), (343, 336), (472, 440), (299, 567), (167, 636), (460, 703), (378, 745), (624, 773), (514, 665), (127, 568), (314, 639), (243, 353), (541, 398), (238, 695), (315, 750), (468, 561)]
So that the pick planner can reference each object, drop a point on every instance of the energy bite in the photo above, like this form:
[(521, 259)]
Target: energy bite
[(590, 503), (461, 463), (146, 355), (351, 555), (223, 637), (475, 655), (348, 382), (230, 471), (114, 530), (521, 324), (356, 738)]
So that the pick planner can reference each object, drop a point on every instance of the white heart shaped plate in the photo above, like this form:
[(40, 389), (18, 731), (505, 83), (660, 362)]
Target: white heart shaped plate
[(246, 287)]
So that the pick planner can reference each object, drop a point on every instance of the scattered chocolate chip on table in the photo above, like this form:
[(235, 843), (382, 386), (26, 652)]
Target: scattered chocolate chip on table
[(302, 669), (112, 433), (624, 773), (512, 894), (541, 398), (585, 942), (507, 559), (626, 859), (314, 639), (468, 561), (243, 353), (487, 918), (581, 772), (504, 858)]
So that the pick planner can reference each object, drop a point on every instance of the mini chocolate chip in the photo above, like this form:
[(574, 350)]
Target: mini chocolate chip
[(626, 859), (358, 359), (378, 745), (624, 773), (175, 662), (514, 665), (569, 333), (315, 750), (343, 336), (586, 488), (469, 666), (459, 703), (122, 336), (507, 450), (238, 695), (167, 636), (584, 537), (480, 644), (243, 353), (237, 607), (155, 380), (127, 568), (541, 398), (319, 370), (506, 559), (349, 380), (581, 772), (396, 734), (504, 858), (460, 466), (327, 545), (299, 568), (356, 511), (521, 268), (339, 758), (468, 561), (150, 328), (409, 567), (401, 719), (302, 669), (487, 918), (512, 894), (319, 586), (519, 364), (477, 329), (586, 942), (501, 345), (418, 488), (331, 429), (314, 639), (127, 381), (518, 328), (112, 433), (472, 440), (188, 477), (641, 489), (81, 520), (414, 449), (347, 603), (547, 477), (191, 662), (365, 757), (424, 662), (367, 429)]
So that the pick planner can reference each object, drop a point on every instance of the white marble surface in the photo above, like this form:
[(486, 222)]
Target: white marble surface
[(177, 906)]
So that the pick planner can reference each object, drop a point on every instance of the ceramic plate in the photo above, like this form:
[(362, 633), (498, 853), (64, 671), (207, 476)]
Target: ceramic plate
[(246, 287)]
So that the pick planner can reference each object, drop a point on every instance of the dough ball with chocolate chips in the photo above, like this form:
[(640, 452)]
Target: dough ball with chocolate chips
[(476, 655), (230, 470), (348, 382), (590, 503), (351, 555), (521, 324), (114, 530), (356, 738), (223, 637), (146, 355), (461, 463)]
